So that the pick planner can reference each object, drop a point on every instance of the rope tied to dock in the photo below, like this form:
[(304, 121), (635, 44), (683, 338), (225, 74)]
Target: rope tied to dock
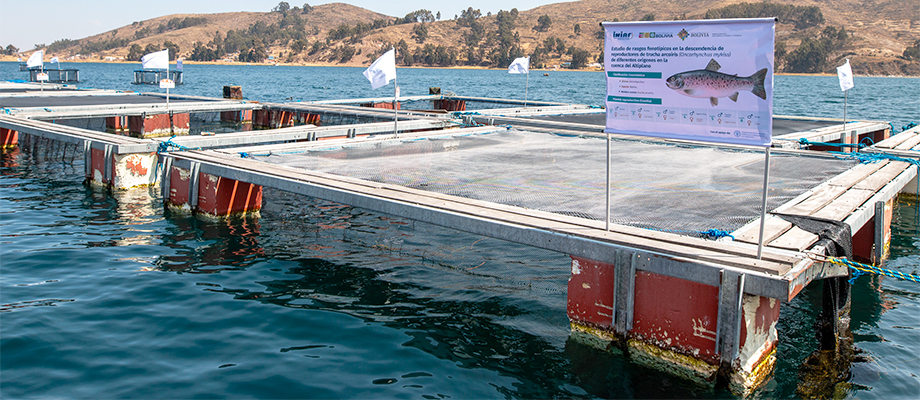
[(713, 234), (859, 269), (806, 142), (868, 158), (166, 145)]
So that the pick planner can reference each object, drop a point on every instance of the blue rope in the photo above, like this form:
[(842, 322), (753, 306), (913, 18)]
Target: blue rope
[(807, 142), (906, 127), (714, 234), (869, 158), (461, 113), (717, 234), (165, 146), (858, 270)]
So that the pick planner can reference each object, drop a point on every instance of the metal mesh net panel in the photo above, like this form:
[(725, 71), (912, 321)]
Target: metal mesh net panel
[(471, 105), (333, 118), (682, 189)]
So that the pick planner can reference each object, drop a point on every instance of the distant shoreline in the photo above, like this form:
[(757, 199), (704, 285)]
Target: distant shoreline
[(6, 58)]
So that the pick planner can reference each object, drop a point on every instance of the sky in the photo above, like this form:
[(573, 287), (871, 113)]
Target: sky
[(25, 24)]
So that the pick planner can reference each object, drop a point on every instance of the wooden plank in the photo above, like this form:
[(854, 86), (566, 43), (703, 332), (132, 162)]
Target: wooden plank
[(881, 177), (794, 239), (773, 228), (895, 141), (909, 144), (538, 220), (856, 174), (841, 207), (820, 198)]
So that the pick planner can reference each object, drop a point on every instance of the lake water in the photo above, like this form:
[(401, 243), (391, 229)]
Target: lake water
[(107, 295)]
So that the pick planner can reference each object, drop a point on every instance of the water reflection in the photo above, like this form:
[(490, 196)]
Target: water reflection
[(209, 246), (469, 300), (474, 302)]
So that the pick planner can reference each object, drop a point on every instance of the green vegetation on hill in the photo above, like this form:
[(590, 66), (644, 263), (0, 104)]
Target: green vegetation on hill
[(812, 54), (802, 17)]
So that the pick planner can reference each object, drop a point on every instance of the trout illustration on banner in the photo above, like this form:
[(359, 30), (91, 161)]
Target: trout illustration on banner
[(713, 84)]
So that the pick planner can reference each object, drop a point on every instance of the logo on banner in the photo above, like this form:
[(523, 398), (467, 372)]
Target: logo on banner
[(683, 34), (621, 35), (655, 35)]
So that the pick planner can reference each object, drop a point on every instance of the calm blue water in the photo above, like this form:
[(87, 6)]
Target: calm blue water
[(106, 295)]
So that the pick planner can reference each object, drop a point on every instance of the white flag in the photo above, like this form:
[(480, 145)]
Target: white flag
[(519, 66), (35, 60), (383, 70), (55, 60), (158, 60), (845, 73)]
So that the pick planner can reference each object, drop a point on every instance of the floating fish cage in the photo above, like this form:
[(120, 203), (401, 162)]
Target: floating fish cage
[(153, 77), (24, 67), (56, 75), (690, 189)]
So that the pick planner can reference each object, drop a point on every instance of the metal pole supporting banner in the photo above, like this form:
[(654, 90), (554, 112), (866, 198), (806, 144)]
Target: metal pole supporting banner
[(607, 219), (763, 204)]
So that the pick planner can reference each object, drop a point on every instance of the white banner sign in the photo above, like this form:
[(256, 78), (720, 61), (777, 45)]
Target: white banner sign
[(709, 80), (167, 84)]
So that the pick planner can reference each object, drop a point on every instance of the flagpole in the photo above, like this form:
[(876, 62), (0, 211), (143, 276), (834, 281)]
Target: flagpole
[(395, 108), (526, 83), (845, 92), (167, 78), (395, 99)]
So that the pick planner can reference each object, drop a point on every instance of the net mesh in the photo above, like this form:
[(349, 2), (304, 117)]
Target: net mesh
[(682, 189)]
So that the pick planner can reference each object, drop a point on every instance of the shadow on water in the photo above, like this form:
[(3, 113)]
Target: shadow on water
[(476, 302)]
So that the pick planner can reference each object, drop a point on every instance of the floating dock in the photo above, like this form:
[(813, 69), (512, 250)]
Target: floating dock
[(673, 278)]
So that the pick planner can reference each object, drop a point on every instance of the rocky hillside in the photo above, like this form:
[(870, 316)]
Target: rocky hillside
[(873, 34)]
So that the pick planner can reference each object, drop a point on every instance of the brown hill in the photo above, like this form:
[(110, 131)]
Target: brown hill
[(879, 31)]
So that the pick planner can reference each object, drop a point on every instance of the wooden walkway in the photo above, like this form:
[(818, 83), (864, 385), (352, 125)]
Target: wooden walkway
[(903, 143), (849, 197)]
